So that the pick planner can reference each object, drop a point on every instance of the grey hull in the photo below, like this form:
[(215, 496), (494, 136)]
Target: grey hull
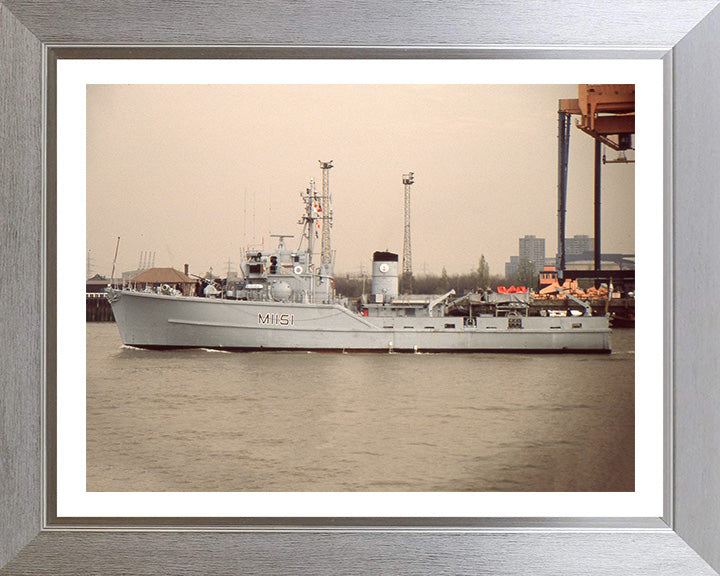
[(152, 320)]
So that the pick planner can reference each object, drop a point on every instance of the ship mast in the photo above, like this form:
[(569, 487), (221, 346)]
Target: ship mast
[(312, 208)]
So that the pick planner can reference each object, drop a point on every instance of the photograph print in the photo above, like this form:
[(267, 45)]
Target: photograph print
[(360, 288)]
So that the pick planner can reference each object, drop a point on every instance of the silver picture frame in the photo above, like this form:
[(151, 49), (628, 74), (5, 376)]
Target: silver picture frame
[(685, 34)]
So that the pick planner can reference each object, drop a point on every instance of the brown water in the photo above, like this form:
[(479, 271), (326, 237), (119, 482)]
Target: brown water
[(198, 420)]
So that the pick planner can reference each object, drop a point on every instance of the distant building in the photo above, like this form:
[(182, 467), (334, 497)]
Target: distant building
[(548, 276), (127, 275), (586, 261), (155, 277), (580, 255), (579, 244), (96, 284), (532, 249), (511, 268)]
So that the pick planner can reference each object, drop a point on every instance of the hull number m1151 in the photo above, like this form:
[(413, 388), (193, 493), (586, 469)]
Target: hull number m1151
[(276, 319)]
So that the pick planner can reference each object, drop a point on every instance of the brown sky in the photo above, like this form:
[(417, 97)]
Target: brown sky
[(180, 171)]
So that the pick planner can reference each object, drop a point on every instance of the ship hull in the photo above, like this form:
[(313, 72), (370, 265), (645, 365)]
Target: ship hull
[(156, 321)]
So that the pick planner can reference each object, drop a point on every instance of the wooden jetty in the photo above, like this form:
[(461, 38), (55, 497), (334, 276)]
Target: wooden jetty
[(97, 308)]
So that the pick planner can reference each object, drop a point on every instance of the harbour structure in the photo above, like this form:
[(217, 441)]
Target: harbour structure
[(287, 301), (325, 212), (407, 273), (97, 307), (147, 260), (607, 114)]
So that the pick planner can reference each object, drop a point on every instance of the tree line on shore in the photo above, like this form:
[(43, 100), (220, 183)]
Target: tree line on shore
[(478, 279)]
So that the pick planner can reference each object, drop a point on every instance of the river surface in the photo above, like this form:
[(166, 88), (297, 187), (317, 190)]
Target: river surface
[(200, 420)]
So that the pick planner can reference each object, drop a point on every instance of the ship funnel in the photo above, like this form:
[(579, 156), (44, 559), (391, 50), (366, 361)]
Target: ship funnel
[(385, 276)]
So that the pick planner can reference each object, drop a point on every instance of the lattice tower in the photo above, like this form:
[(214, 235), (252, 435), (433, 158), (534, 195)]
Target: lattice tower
[(407, 250), (326, 214)]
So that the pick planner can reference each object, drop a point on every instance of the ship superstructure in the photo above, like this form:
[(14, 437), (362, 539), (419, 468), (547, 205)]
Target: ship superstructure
[(290, 275)]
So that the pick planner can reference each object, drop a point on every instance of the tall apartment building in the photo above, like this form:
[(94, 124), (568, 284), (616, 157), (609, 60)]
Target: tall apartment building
[(532, 249)]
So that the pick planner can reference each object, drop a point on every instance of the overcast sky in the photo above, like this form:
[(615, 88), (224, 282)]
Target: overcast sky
[(193, 173)]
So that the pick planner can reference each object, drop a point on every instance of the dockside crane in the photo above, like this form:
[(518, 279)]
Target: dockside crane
[(607, 114)]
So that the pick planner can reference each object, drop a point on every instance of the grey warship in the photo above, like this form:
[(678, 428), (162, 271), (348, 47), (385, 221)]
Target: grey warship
[(287, 301)]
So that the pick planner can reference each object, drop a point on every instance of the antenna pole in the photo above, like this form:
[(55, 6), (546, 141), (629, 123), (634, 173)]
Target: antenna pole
[(117, 245), (244, 242)]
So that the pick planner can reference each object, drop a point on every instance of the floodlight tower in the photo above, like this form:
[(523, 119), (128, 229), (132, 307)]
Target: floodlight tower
[(325, 213), (408, 181)]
